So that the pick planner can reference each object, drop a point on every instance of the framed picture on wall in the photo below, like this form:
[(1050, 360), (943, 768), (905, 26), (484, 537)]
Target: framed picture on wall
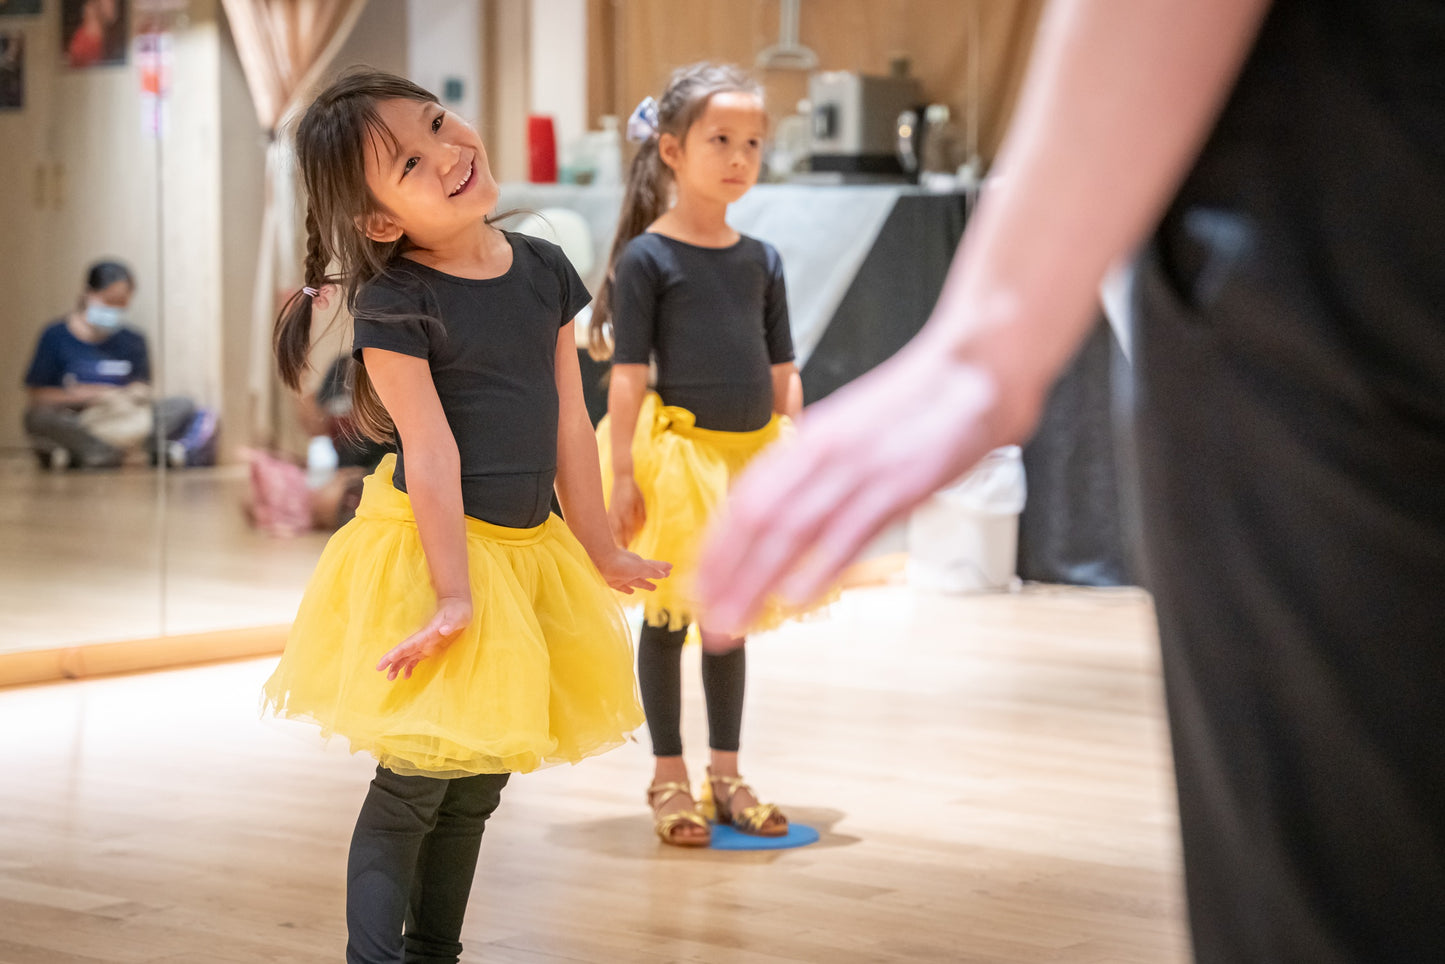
[(94, 33), (19, 8), (12, 70)]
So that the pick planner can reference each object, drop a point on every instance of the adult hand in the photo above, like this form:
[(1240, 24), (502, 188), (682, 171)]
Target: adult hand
[(861, 459)]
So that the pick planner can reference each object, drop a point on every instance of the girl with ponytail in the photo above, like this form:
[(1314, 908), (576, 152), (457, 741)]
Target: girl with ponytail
[(708, 305), (454, 629)]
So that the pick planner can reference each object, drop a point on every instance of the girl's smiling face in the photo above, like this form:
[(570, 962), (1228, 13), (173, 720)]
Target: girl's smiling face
[(721, 153), (430, 175)]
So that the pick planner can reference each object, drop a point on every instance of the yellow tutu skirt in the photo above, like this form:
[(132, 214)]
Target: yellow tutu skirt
[(542, 675), (684, 473)]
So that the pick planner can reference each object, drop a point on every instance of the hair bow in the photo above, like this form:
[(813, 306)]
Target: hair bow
[(642, 125)]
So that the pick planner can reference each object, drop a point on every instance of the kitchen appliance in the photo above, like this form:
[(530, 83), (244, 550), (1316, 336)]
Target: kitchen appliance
[(930, 145), (910, 142), (855, 121)]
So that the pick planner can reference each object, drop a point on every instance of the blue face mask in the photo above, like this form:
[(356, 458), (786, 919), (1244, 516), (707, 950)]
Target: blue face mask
[(106, 317)]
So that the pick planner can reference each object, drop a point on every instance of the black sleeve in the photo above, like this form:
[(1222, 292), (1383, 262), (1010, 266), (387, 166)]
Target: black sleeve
[(391, 317), (634, 307), (575, 295), (775, 312)]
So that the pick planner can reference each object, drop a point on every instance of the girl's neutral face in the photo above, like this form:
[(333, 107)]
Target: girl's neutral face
[(434, 179), (722, 151)]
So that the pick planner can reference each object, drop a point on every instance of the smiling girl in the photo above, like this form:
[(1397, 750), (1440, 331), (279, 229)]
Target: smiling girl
[(455, 629)]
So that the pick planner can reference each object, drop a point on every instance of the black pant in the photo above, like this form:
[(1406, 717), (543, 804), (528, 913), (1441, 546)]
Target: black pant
[(1295, 544), (659, 675), (413, 856)]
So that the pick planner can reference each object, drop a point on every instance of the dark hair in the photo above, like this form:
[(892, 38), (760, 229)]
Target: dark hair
[(649, 179), (331, 141), (103, 274)]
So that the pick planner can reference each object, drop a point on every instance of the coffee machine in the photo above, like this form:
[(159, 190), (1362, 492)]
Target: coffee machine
[(855, 121)]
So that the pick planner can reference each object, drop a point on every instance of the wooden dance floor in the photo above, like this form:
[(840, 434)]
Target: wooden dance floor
[(990, 775)]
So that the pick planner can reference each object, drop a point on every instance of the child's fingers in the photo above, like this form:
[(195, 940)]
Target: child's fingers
[(403, 667), (397, 654), (414, 648)]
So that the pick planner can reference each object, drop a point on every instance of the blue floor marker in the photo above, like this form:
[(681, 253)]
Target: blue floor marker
[(726, 838)]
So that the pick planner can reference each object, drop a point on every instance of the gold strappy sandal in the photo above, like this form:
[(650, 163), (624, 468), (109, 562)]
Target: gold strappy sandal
[(760, 820), (658, 796)]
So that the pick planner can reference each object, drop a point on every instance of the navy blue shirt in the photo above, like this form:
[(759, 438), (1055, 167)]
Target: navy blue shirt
[(716, 319), (62, 359), (491, 345)]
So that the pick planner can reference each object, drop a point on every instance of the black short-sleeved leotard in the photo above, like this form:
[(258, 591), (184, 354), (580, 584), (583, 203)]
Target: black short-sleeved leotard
[(716, 318), (491, 345)]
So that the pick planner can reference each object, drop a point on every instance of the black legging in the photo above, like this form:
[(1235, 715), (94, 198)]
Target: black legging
[(659, 674), (413, 856)]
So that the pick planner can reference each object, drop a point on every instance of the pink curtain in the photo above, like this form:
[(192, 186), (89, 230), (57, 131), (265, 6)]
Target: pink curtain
[(284, 46)]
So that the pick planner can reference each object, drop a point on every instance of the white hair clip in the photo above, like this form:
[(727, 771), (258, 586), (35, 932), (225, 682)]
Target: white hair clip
[(310, 291), (642, 125)]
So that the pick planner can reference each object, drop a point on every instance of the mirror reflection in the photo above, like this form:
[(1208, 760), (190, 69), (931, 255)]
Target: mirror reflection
[(158, 231)]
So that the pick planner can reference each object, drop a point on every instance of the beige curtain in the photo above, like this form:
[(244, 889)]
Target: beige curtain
[(284, 46), (997, 65)]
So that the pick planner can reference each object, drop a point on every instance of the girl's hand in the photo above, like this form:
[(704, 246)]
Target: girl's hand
[(452, 616), (628, 512), (626, 571)]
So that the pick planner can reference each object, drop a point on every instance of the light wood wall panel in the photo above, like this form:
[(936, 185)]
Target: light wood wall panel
[(506, 64), (649, 38)]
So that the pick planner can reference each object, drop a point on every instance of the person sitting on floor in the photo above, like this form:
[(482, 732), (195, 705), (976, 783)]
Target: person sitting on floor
[(89, 382)]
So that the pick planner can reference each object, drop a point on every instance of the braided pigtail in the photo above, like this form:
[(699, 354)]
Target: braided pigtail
[(291, 339)]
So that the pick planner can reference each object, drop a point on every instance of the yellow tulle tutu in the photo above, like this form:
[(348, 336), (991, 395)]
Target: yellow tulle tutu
[(542, 675), (684, 473)]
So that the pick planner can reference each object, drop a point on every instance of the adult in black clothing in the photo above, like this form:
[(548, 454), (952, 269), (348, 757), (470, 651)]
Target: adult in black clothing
[(1289, 408)]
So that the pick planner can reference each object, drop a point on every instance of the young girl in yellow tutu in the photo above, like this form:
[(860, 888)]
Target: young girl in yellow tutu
[(708, 304), (454, 629)]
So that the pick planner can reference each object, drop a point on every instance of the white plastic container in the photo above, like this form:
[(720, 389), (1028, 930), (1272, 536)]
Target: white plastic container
[(964, 538), (321, 461), (606, 152)]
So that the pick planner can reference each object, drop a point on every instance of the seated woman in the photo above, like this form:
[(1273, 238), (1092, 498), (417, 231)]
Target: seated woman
[(89, 382)]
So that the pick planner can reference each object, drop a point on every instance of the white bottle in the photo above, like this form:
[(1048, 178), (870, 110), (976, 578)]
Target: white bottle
[(607, 152), (792, 141), (321, 461)]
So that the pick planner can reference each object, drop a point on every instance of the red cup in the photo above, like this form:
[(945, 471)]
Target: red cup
[(541, 149)]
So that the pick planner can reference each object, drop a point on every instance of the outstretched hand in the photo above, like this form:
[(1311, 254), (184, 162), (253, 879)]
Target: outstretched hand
[(861, 459), (626, 571), (452, 616)]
